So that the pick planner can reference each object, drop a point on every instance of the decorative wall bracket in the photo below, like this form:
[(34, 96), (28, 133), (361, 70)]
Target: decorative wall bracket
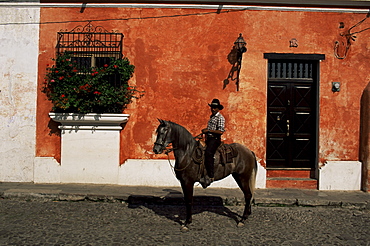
[(350, 37), (293, 43)]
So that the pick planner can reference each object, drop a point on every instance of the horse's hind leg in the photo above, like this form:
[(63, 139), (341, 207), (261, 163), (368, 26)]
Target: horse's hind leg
[(245, 186)]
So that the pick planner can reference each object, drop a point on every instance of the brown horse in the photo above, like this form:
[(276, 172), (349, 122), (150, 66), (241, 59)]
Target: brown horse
[(243, 166)]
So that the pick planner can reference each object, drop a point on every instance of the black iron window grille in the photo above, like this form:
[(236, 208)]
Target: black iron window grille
[(91, 46), (290, 70)]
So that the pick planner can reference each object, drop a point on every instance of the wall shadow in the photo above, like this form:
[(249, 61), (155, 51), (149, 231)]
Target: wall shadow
[(53, 126), (172, 206), (233, 75)]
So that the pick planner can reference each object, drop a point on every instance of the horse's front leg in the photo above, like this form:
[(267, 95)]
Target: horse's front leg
[(188, 191)]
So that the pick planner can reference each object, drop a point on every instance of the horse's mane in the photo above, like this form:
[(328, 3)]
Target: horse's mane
[(182, 135)]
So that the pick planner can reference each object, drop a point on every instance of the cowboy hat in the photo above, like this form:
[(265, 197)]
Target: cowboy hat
[(216, 104)]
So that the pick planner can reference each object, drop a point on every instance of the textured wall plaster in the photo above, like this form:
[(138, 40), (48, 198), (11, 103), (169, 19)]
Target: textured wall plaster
[(183, 71), (18, 76)]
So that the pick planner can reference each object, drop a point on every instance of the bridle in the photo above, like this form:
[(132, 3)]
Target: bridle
[(161, 141)]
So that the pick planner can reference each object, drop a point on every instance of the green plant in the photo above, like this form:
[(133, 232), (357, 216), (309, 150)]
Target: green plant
[(74, 89)]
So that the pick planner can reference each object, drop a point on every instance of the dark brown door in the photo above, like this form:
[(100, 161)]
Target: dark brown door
[(292, 119)]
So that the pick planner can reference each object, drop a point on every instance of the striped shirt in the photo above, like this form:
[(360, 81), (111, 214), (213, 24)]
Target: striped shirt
[(216, 122)]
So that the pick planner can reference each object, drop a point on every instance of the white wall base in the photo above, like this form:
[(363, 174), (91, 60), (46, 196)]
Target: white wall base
[(90, 156), (160, 173), (46, 170), (134, 172), (261, 177), (340, 175), (137, 172)]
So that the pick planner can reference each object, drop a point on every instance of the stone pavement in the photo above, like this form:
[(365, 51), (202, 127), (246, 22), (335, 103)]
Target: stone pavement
[(173, 195)]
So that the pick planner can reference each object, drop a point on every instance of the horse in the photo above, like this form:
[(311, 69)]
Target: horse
[(243, 166)]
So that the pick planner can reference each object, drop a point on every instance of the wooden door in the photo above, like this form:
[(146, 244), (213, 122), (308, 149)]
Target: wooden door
[(292, 118)]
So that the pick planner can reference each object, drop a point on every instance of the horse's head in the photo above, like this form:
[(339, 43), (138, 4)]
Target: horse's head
[(163, 137)]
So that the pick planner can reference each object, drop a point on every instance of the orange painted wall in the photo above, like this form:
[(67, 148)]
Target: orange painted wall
[(181, 61)]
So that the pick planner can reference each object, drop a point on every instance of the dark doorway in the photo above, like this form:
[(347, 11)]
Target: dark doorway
[(292, 111)]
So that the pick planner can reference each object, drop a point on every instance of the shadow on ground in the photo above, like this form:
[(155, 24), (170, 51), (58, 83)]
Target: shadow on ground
[(172, 206)]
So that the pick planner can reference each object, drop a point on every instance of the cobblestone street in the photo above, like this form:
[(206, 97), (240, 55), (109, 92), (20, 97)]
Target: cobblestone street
[(102, 223)]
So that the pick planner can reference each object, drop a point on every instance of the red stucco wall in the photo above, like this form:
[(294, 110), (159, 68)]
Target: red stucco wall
[(181, 61)]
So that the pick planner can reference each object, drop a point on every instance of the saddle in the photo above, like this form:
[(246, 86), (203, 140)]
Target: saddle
[(226, 153)]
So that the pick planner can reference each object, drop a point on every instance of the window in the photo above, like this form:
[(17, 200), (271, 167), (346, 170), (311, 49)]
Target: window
[(91, 46), (93, 60)]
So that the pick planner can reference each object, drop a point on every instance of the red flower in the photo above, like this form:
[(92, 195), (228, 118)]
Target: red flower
[(128, 88), (63, 95), (115, 66), (56, 71), (75, 70), (105, 65), (97, 92), (62, 77), (84, 87)]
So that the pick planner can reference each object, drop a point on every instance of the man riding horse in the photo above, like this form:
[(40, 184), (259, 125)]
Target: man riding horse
[(213, 132), (242, 164)]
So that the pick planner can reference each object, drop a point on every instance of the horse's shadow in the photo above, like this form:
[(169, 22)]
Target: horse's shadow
[(175, 206)]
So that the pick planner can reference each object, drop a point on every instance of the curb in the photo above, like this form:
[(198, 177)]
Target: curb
[(177, 199)]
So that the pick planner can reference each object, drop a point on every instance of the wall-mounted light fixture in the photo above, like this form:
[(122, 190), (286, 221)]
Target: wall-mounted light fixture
[(335, 86), (240, 44), (235, 59)]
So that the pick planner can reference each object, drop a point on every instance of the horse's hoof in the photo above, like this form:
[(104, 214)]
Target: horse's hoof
[(184, 228), (240, 224)]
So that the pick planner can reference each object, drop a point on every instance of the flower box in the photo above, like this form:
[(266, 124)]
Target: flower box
[(89, 121)]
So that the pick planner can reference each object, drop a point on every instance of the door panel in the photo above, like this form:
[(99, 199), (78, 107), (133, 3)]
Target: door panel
[(291, 119)]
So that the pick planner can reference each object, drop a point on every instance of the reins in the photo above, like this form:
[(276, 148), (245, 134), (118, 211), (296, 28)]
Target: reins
[(171, 149)]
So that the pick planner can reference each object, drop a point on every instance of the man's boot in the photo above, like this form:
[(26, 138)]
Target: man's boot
[(206, 181)]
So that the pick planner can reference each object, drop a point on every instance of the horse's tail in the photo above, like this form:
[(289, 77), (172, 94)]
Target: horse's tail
[(255, 163), (252, 180)]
